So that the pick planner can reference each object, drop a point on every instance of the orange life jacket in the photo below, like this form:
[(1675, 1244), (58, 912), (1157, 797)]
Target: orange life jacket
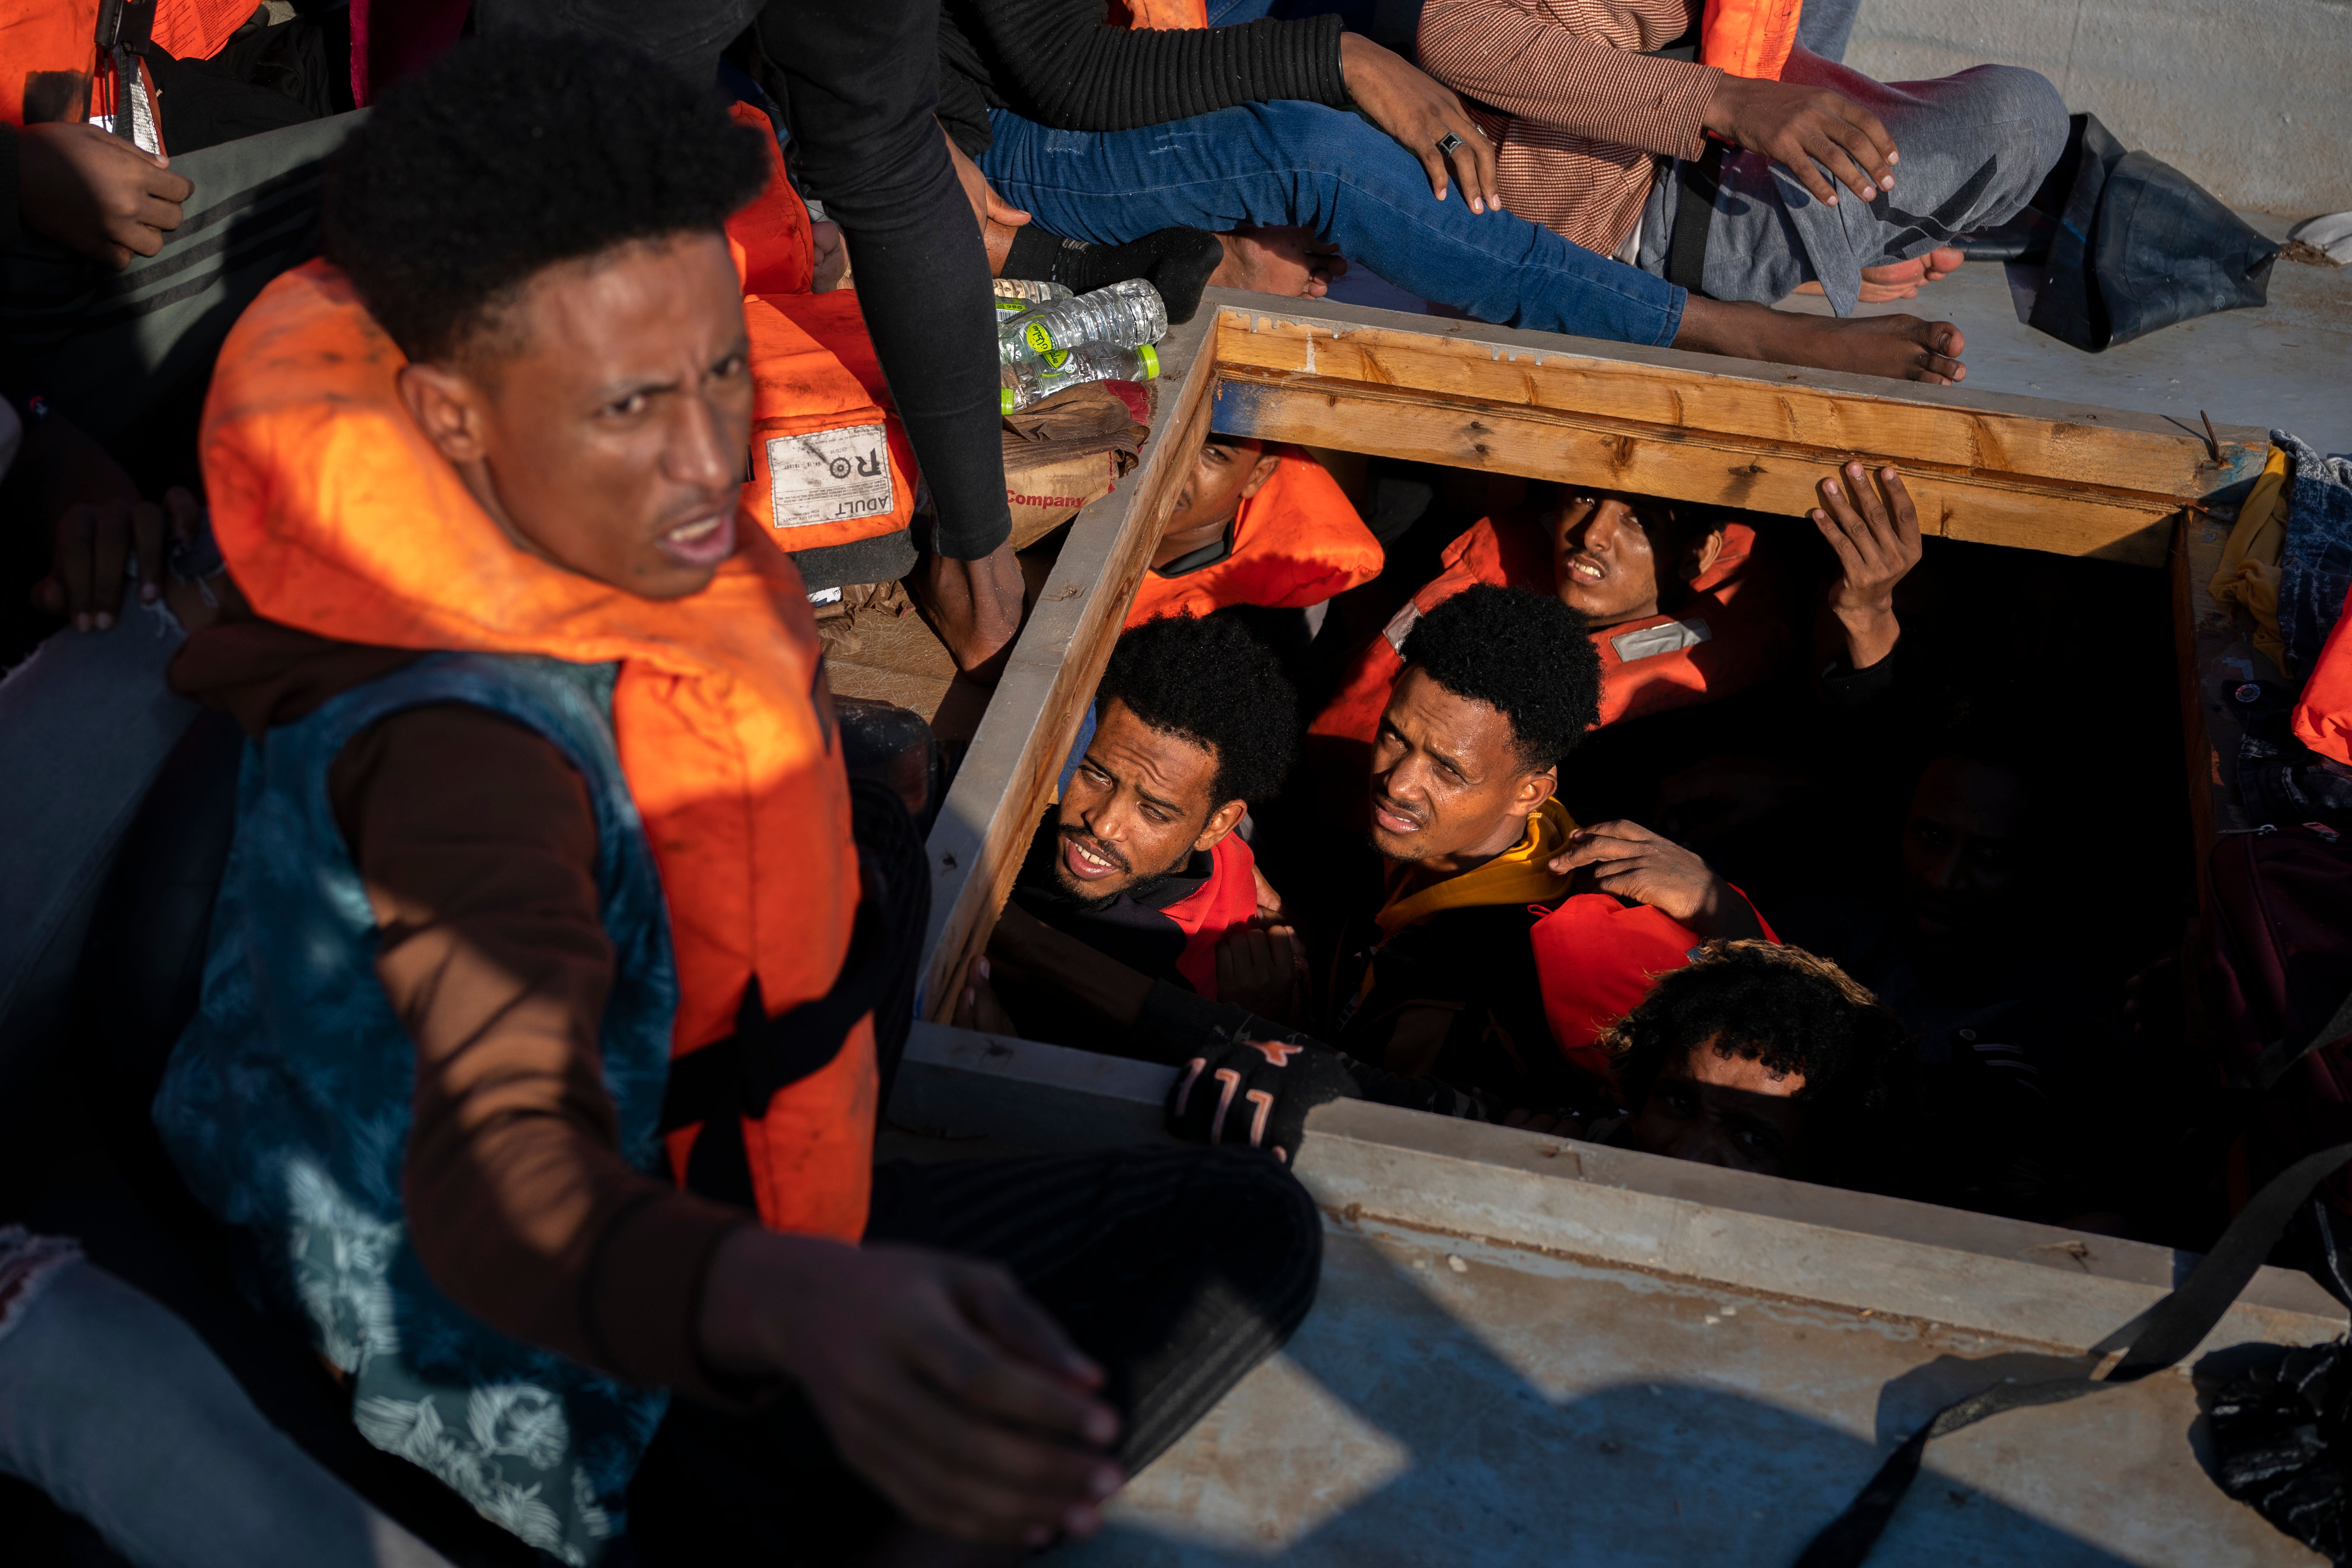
[(58, 40), (337, 516), (1748, 37), (1297, 543), (195, 29), (1168, 15), (1727, 635), (1595, 959), (1225, 903), (2323, 715), (46, 38), (829, 464)]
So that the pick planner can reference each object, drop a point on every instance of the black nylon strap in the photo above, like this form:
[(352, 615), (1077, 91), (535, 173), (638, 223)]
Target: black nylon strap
[(1696, 181), (2152, 1342), (2279, 1056), (739, 1075)]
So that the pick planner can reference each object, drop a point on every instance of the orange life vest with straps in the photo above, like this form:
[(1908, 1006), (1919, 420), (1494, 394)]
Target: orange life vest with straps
[(1748, 37), (829, 464), (337, 516), (50, 61), (1726, 636), (1297, 543), (1595, 959), (1225, 903)]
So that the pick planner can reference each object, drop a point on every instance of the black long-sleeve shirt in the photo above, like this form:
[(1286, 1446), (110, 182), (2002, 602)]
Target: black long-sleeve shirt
[(1058, 63)]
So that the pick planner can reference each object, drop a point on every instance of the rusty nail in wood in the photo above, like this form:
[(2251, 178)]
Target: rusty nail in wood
[(2212, 442)]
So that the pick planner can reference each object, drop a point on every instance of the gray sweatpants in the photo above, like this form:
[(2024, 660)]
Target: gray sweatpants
[(1975, 147), (106, 347)]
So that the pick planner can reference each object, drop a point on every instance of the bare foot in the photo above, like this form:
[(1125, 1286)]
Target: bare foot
[(1903, 347), (1902, 280), (1290, 262)]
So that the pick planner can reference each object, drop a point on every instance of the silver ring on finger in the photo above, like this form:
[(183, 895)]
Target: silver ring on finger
[(1448, 145)]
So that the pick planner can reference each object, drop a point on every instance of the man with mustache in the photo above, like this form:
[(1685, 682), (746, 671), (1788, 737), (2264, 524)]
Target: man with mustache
[(1140, 859)]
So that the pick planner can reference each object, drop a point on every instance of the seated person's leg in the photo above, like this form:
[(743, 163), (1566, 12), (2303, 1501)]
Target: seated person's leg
[(1174, 1270), (1974, 147), (1352, 185), (1344, 181)]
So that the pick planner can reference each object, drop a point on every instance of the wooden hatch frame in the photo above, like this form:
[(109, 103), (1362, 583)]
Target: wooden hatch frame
[(1985, 467)]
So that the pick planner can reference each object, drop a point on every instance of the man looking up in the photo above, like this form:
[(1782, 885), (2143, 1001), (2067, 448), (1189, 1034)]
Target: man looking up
[(1139, 859), (1683, 602), (1433, 962), (541, 902)]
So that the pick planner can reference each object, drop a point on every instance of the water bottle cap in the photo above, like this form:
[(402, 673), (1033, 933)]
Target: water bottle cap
[(1150, 358), (1007, 400)]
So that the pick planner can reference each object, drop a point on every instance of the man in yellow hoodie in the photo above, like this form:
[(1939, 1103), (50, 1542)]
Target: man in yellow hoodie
[(1498, 686)]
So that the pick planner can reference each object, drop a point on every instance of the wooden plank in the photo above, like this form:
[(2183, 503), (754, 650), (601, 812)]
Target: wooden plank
[(1687, 465), (2033, 474), (1009, 772), (1948, 425)]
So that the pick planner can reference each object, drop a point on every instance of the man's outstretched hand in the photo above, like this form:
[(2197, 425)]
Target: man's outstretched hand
[(1801, 126), (941, 1382), (1257, 1093), (1631, 862), (1871, 523), (94, 193)]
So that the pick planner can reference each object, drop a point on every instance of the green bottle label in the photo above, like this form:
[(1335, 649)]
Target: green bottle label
[(1038, 336)]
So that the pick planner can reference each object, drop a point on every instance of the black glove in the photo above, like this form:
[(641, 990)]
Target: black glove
[(1257, 1093), (1244, 1080)]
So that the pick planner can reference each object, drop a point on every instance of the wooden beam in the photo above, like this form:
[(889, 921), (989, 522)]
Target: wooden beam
[(1697, 466), (2007, 470), (1009, 774)]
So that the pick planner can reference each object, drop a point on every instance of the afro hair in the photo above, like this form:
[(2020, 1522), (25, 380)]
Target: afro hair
[(500, 159), (1525, 654), (1781, 1006), (1214, 684)]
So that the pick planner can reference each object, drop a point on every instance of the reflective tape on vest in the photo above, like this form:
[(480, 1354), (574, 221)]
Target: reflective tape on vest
[(1648, 642)]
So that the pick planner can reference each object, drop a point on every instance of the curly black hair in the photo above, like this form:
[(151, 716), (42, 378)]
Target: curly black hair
[(1522, 653), (1782, 1006), (1212, 683), (500, 159)]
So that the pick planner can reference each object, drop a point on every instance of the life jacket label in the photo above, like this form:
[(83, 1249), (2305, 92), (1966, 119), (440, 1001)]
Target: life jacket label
[(829, 476), (1650, 641)]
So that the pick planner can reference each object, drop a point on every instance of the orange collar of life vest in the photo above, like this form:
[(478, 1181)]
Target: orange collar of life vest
[(337, 516), (1298, 542)]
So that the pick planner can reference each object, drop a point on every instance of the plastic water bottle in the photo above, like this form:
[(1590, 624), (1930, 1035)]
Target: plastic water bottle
[(1122, 316), (1022, 384), (1014, 295)]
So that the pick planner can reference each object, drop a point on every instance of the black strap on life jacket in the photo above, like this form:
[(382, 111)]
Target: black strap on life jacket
[(2152, 1342), (2282, 1053), (1697, 180), (727, 1080)]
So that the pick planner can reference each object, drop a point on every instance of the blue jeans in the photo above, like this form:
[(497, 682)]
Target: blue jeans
[(112, 1405), (1289, 163)]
